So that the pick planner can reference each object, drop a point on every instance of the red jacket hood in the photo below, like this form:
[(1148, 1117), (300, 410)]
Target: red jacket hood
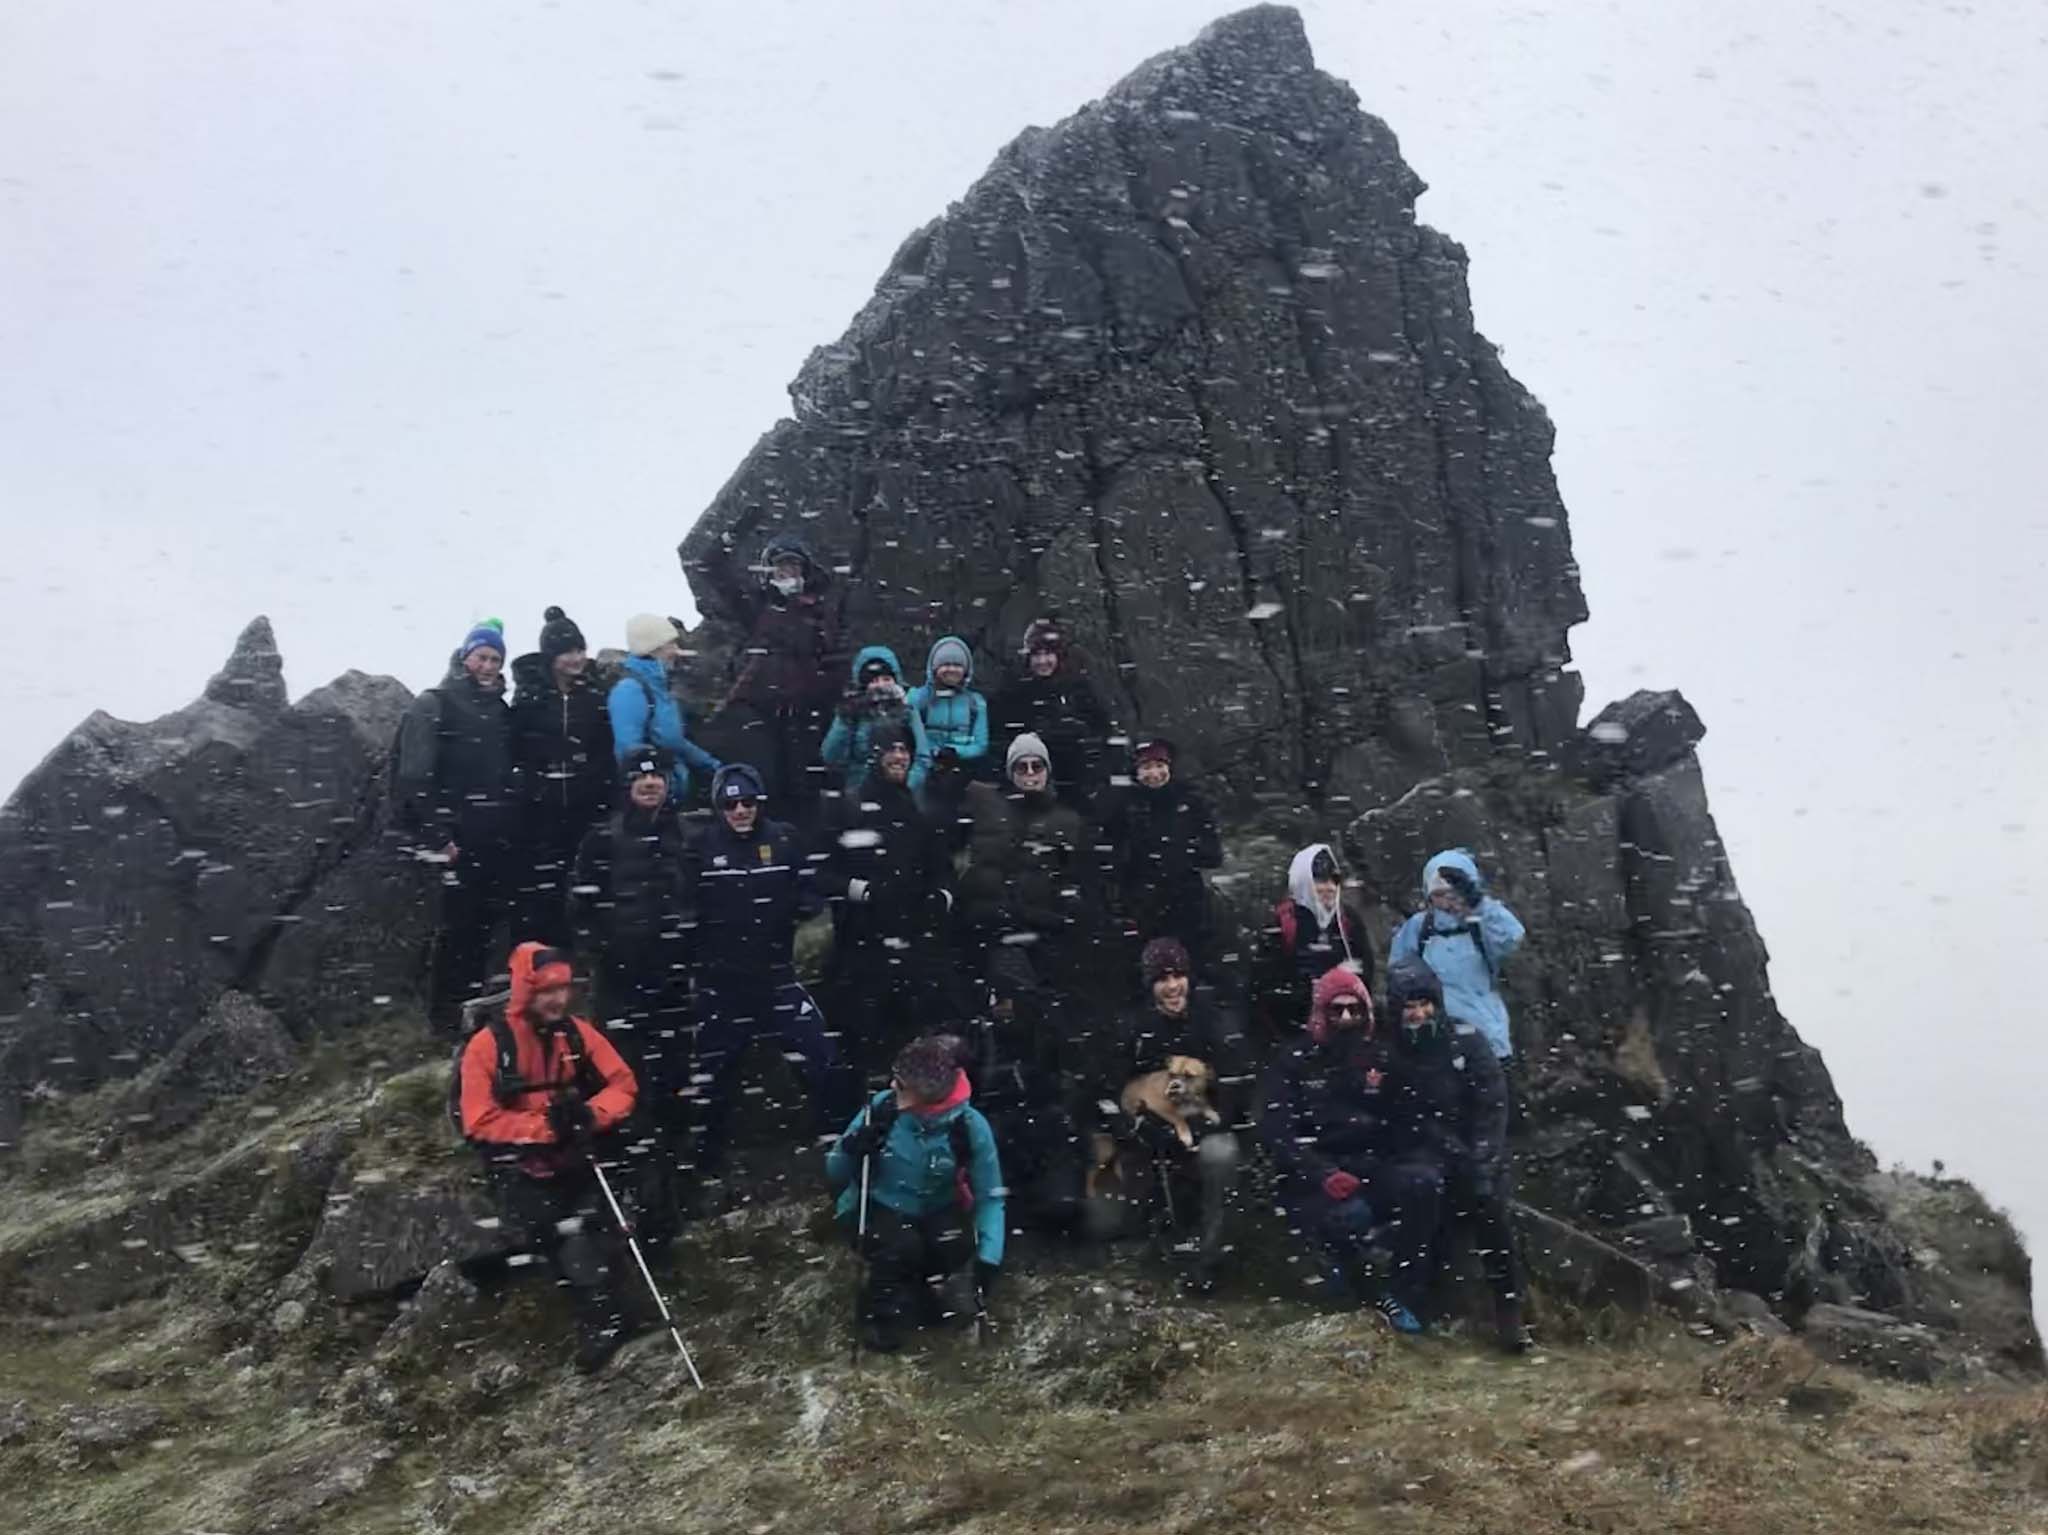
[(526, 979), (1332, 984)]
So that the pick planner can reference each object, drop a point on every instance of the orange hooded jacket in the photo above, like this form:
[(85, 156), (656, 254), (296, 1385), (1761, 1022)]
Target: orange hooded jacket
[(546, 1063)]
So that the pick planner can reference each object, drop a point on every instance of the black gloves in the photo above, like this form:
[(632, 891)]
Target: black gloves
[(985, 1277), (1466, 886), (873, 1131), (571, 1120)]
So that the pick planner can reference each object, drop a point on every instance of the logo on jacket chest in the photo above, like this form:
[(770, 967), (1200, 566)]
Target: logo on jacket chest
[(767, 853)]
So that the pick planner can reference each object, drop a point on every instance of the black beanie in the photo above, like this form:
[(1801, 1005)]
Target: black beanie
[(559, 635)]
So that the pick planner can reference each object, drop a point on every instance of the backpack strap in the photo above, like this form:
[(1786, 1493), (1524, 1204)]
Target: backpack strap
[(1289, 929), (1471, 930)]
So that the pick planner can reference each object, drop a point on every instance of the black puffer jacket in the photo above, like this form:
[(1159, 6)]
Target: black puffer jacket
[(1161, 840), (630, 899), (561, 742), (1329, 1106), (877, 835), (1449, 1091), (1065, 711), (749, 893), (455, 774)]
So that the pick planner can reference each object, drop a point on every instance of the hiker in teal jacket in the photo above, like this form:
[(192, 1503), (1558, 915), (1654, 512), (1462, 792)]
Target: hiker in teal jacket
[(875, 698), (644, 710), (1465, 936), (914, 1137), (955, 716)]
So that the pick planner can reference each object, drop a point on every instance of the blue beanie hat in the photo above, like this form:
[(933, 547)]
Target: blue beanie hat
[(736, 780), (487, 635)]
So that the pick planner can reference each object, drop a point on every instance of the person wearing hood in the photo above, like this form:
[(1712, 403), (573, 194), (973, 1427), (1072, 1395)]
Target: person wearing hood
[(644, 708), (1465, 935), (629, 905), (534, 1092), (889, 877), (1015, 1055), (1182, 1186), (1034, 875), (875, 701), (454, 782), (751, 881), (1314, 927), (932, 1168), (954, 715), (1162, 836), (775, 712), (1449, 1110), (1329, 1125), (562, 752), (1053, 698)]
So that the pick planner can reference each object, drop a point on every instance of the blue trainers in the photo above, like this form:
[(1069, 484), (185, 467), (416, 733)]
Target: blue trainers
[(1399, 1317)]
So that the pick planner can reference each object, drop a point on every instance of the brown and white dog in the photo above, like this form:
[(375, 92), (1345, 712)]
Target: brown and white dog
[(1178, 1095)]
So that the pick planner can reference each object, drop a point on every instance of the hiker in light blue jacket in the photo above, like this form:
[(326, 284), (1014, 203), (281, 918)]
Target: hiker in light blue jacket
[(1465, 936), (955, 716), (932, 1169), (643, 708)]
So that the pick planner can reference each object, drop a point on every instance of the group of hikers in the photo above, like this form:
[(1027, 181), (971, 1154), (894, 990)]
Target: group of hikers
[(1030, 1018)]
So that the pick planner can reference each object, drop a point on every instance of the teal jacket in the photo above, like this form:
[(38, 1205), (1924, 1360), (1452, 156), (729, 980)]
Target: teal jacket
[(847, 744), (958, 719), (915, 1173)]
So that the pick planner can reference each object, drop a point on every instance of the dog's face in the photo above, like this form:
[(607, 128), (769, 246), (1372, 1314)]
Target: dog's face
[(1187, 1079)]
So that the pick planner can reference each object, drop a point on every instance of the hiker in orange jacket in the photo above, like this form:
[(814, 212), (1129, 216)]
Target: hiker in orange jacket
[(536, 1087)]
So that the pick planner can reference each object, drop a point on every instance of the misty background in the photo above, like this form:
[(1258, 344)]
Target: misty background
[(380, 318)]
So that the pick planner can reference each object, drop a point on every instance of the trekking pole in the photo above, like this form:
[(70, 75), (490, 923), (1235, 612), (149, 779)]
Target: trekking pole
[(645, 1273), (860, 1242)]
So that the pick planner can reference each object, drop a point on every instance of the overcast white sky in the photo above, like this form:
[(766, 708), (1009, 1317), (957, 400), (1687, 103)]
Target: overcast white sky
[(381, 316)]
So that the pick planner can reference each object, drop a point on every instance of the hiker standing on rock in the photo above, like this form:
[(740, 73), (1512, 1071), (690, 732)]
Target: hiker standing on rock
[(630, 904), (453, 778), (1314, 928), (955, 717), (1162, 836), (887, 873), (536, 1088), (1465, 936), (876, 701), (1450, 1110), (781, 698), (562, 751), (1329, 1125), (751, 883), (1054, 699), (1034, 877), (644, 708), (932, 1168), (1186, 1188)]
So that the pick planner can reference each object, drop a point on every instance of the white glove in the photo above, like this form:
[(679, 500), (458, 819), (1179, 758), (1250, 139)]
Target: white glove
[(857, 891)]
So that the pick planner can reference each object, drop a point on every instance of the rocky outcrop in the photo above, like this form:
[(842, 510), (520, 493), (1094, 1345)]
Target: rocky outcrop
[(1185, 368), (145, 869)]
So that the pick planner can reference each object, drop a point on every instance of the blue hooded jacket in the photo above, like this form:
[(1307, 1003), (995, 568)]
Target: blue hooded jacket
[(915, 1173), (635, 724), (1465, 952), (848, 743), (956, 719)]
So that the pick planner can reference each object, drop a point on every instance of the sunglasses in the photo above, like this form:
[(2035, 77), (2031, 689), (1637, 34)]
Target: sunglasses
[(1028, 765), (1347, 1010), (744, 802)]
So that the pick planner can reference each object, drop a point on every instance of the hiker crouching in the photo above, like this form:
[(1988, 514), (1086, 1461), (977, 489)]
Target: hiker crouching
[(536, 1088), (931, 1195)]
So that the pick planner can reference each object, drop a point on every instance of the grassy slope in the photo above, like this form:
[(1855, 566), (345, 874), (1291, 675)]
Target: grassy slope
[(1101, 1407)]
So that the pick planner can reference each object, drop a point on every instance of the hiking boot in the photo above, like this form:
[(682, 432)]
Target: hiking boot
[(1399, 1317), (1509, 1330), (596, 1341), (878, 1335)]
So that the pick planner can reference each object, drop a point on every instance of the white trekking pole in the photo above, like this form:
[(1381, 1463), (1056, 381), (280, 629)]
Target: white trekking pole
[(652, 1288)]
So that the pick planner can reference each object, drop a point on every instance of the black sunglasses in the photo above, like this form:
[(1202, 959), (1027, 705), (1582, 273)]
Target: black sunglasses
[(744, 802), (1341, 1009)]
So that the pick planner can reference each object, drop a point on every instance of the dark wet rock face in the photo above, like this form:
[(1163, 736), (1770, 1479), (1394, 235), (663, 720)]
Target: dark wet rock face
[(1186, 369)]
